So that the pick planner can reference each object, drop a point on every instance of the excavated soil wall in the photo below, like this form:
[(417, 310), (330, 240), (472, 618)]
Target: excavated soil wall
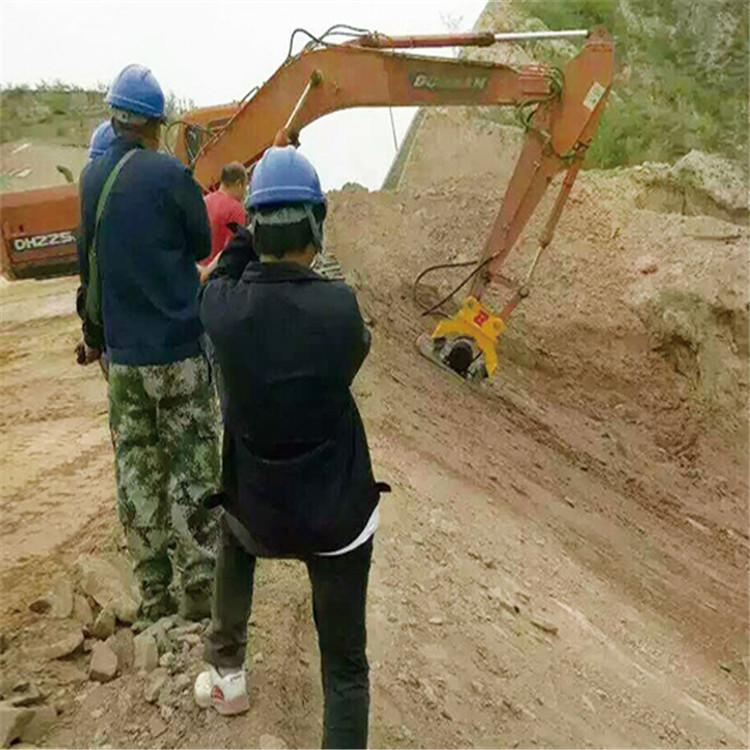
[(632, 301)]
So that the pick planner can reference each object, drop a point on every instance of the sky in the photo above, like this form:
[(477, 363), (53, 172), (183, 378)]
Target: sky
[(214, 52)]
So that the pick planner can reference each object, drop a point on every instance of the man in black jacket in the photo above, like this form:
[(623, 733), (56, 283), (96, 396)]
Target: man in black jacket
[(297, 475)]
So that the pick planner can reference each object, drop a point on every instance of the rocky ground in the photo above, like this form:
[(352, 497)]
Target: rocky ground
[(564, 558)]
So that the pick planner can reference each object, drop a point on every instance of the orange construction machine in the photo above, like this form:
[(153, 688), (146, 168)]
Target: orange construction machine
[(561, 111)]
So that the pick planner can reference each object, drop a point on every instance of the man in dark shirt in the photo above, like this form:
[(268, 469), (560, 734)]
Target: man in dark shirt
[(143, 228), (297, 476)]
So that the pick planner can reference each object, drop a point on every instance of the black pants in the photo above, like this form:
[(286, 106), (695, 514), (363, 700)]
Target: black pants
[(339, 589)]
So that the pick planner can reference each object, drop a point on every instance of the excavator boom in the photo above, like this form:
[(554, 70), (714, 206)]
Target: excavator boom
[(343, 77), (565, 108)]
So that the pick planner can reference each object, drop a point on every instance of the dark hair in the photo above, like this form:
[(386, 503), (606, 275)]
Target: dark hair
[(279, 239), (233, 173), (134, 131)]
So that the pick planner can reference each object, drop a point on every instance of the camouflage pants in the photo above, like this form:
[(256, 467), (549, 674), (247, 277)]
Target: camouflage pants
[(164, 423)]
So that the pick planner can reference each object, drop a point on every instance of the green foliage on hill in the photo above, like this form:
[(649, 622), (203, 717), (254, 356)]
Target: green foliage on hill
[(60, 112), (54, 111), (682, 80)]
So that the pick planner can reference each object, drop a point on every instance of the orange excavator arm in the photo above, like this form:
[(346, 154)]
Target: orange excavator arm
[(363, 73), (326, 80), (565, 106)]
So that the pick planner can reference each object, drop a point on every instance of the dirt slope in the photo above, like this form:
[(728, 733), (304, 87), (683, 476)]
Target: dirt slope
[(564, 558), (518, 510)]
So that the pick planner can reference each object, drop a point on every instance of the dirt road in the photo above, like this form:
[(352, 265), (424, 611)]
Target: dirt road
[(544, 574)]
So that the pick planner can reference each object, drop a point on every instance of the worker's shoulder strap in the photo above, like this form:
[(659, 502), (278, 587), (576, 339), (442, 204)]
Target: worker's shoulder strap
[(94, 287), (107, 189)]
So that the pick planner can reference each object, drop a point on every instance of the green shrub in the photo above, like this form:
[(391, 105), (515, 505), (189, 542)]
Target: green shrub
[(687, 75)]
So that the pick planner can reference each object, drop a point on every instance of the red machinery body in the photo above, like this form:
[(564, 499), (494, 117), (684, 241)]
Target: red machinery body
[(38, 231)]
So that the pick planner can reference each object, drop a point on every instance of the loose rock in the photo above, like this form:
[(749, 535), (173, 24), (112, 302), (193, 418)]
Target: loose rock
[(159, 631), (62, 599), (123, 644), (154, 685), (146, 652), (109, 581), (42, 720), (168, 660), (166, 712), (182, 682), (190, 629), (62, 641), (258, 658), (125, 609), (104, 625), (82, 610), (103, 666), (12, 722)]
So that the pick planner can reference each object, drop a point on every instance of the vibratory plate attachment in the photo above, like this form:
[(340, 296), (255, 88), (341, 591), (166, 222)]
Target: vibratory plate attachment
[(466, 343)]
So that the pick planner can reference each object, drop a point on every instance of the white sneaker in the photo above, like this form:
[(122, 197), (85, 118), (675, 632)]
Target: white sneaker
[(226, 693)]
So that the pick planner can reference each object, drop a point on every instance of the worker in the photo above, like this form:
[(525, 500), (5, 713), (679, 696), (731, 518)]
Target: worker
[(297, 477), (101, 139), (144, 227), (224, 207)]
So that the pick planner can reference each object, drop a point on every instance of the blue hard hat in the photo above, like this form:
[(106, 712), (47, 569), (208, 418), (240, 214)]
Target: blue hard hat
[(136, 90), (101, 139), (284, 175)]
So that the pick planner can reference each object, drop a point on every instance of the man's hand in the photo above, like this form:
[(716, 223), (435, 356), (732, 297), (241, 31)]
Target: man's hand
[(85, 355), (206, 271)]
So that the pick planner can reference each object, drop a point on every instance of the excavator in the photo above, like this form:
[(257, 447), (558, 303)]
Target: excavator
[(560, 110)]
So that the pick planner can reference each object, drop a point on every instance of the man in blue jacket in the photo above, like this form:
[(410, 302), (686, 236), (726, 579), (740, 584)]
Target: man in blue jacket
[(143, 228), (297, 476)]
